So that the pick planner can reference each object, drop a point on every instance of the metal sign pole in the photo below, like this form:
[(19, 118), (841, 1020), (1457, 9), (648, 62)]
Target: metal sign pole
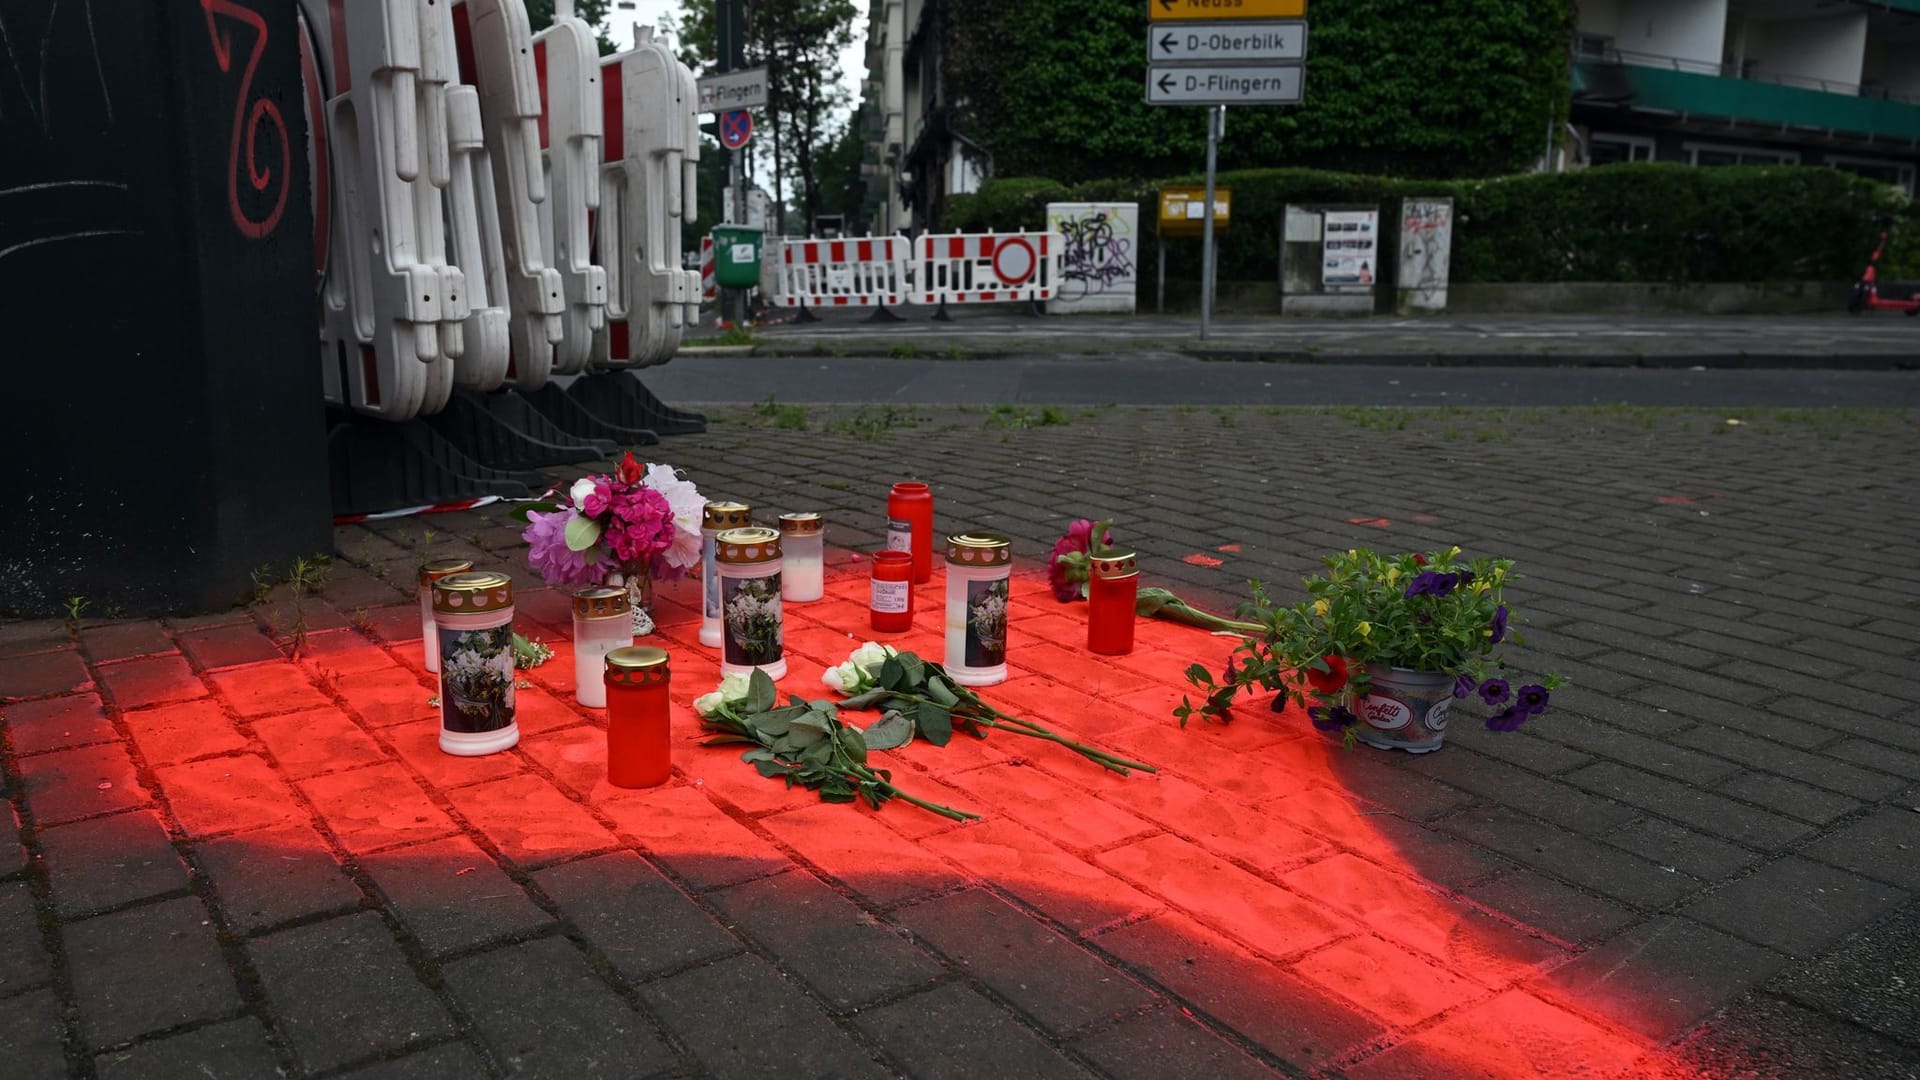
[(1214, 116)]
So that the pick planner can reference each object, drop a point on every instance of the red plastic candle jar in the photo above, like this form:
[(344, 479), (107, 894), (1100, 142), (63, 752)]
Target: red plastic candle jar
[(1111, 591), (639, 752), (891, 609), (910, 503)]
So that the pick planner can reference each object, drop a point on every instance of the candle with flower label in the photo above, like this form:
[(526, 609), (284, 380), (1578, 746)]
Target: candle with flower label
[(602, 622), (803, 541), (910, 525), (979, 569), (715, 518), (430, 573), (1111, 592), (750, 616), (891, 608), (639, 750), (473, 615)]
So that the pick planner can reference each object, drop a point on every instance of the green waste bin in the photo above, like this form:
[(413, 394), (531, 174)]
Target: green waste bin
[(736, 256)]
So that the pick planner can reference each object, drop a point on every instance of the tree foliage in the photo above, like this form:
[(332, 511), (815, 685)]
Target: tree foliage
[(1403, 87), (592, 12)]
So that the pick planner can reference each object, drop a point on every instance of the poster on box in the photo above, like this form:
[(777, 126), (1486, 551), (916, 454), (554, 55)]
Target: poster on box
[(1350, 247)]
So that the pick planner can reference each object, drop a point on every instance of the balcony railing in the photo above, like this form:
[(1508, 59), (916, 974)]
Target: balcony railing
[(1748, 72)]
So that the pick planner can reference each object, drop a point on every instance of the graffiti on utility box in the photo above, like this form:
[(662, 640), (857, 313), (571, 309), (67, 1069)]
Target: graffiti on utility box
[(1100, 254)]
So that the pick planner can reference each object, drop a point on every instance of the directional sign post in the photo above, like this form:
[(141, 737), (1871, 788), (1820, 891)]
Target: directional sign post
[(734, 90), (1218, 53), (1228, 43)]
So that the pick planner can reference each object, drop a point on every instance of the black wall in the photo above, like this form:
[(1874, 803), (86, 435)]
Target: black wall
[(161, 428)]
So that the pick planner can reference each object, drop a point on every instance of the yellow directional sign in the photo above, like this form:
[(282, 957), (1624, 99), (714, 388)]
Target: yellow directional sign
[(1170, 10)]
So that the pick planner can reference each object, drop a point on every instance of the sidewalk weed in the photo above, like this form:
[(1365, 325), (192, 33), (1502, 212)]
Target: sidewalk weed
[(1016, 418), (784, 417), (871, 426), (903, 350), (953, 352), (76, 606)]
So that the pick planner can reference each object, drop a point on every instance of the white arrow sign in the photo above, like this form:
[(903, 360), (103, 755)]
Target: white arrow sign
[(1226, 42), (734, 90), (1261, 85)]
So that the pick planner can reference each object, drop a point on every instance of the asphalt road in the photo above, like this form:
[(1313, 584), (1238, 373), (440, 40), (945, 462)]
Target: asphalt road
[(1172, 378)]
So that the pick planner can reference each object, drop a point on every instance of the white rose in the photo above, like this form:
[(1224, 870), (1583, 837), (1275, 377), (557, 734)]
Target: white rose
[(707, 704), (835, 679), (870, 656), (578, 493), (734, 687)]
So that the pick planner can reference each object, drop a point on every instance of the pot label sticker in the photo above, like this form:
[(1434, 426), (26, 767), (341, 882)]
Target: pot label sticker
[(899, 535), (1437, 716), (1384, 712)]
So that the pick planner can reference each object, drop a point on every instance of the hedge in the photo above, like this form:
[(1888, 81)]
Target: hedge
[(1618, 223)]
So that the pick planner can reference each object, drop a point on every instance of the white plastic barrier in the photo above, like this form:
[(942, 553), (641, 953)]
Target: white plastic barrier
[(495, 49), (567, 59), (647, 188), (843, 273), (391, 305), (984, 268)]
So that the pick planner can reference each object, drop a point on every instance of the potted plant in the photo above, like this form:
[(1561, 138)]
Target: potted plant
[(1381, 648)]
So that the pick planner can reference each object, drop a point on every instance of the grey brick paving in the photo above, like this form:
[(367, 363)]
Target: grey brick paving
[(543, 1012), (1720, 801)]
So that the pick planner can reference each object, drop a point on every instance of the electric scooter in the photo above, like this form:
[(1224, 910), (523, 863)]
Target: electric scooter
[(1866, 291)]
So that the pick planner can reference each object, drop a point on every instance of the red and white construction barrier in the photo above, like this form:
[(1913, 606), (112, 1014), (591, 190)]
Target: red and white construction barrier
[(985, 268), (709, 291), (843, 273)]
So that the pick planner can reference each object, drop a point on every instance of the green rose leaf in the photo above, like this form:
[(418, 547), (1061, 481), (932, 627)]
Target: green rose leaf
[(938, 690), (891, 733), (760, 692), (866, 700), (582, 533), (935, 723), (913, 670), (855, 745)]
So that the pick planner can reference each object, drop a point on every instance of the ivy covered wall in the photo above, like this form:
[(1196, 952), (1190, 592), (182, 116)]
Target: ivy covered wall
[(1055, 88)]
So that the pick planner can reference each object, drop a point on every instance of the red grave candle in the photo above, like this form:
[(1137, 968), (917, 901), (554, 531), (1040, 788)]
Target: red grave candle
[(1111, 592), (910, 504), (891, 608), (638, 747)]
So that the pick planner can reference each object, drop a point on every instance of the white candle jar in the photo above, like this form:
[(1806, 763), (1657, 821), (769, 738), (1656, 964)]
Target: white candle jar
[(803, 554), (716, 518), (602, 622), (473, 614), (979, 580), (430, 573), (750, 565)]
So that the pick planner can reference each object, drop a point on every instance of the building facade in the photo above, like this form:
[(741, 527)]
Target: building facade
[(916, 156), (1721, 82)]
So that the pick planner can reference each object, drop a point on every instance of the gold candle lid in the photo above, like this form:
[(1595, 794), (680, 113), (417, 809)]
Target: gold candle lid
[(979, 549), (438, 568), (465, 594), (808, 524), (1114, 564), (726, 515), (636, 657), (601, 602), (756, 545)]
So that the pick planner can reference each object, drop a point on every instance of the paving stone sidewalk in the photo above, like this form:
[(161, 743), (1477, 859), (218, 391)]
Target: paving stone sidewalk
[(215, 861)]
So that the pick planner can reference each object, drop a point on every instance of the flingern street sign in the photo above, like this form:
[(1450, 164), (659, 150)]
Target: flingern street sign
[(1173, 10), (1248, 42), (1263, 84)]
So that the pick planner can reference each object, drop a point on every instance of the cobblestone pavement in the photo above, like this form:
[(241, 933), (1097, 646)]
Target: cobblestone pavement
[(1699, 864)]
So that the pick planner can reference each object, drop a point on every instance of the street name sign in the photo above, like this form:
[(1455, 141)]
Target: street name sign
[(1251, 42), (1172, 10), (1225, 85), (734, 90)]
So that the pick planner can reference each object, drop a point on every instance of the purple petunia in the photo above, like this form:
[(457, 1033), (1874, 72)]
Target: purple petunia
[(1533, 699), (548, 554), (1499, 624), (1462, 686), (1333, 718), (1494, 691), (1431, 583), (1507, 719)]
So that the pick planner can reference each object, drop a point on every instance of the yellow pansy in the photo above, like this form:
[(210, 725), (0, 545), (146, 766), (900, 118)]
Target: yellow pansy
[(1481, 585), (1393, 574), (1454, 552), (1321, 607), (1365, 628)]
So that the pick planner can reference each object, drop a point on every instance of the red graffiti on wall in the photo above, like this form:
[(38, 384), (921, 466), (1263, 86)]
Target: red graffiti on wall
[(249, 118)]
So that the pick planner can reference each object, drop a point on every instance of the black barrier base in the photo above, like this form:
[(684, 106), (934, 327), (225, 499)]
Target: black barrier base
[(504, 432), (569, 416), (805, 316), (621, 398), (940, 313), (380, 465), (882, 315)]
